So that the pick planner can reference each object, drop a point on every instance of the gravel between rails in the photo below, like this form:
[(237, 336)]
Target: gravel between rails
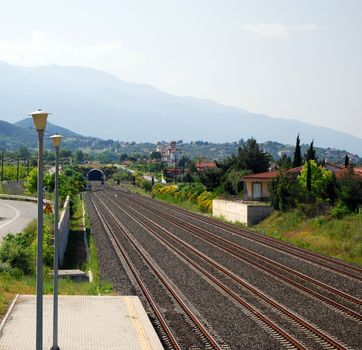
[(226, 318), (269, 241), (322, 274), (109, 267), (345, 329), (171, 311), (244, 254)]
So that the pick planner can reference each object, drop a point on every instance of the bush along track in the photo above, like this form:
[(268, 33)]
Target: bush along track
[(18, 255)]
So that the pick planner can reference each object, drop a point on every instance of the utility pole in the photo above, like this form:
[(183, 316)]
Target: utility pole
[(2, 165), (17, 169), (175, 169)]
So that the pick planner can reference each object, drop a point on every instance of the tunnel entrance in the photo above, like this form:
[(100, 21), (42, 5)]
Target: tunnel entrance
[(95, 175)]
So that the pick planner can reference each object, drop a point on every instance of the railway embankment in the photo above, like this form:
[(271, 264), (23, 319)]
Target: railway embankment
[(339, 238)]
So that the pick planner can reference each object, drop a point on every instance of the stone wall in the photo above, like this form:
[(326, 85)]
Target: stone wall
[(249, 214)]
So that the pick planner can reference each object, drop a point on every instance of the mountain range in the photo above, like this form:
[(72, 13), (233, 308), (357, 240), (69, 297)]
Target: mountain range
[(93, 102), (22, 133)]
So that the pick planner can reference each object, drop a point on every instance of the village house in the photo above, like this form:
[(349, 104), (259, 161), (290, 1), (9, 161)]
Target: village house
[(256, 186), (170, 154), (201, 166)]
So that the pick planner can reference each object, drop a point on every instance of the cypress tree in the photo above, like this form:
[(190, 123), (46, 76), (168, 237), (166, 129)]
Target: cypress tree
[(346, 161), (297, 154), (311, 153), (309, 177)]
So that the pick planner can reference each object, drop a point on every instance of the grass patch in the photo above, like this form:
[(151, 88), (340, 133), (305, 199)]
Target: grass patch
[(9, 287), (340, 238), (179, 202)]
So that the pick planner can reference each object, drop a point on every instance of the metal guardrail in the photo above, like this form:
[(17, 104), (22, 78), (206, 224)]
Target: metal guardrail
[(16, 197)]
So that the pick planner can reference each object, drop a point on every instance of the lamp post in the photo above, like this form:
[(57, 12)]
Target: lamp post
[(57, 140), (40, 120)]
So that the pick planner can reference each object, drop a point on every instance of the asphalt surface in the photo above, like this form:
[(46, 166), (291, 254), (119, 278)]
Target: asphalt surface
[(15, 215)]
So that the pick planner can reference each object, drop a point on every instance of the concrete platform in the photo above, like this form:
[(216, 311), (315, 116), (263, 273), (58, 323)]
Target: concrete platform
[(74, 275), (85, 322)]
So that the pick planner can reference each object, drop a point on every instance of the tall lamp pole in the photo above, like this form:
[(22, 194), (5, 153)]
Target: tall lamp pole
[(40, 120), (57, 140)]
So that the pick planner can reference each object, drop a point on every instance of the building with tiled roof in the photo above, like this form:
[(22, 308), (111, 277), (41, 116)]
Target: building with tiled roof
[(200, 166), (256, 186)]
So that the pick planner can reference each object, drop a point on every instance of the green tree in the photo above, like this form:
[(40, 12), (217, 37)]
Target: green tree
[(65, 153), (251, 157), (346, 161), (284, 162), (309, 177), (211, 178), (284, 191), (311, 153), (319, 180), (31, 181), (79, 157), (23, 153), (155, 156), (297, 154), (349, 189), (123, 157)]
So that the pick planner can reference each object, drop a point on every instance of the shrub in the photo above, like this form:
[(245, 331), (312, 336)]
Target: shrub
[(339, 210), (349, 190), (15, 253), (18, 251), (204, 201)]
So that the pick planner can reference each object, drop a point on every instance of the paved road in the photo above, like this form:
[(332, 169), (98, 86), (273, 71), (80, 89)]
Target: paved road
[(15, 215)]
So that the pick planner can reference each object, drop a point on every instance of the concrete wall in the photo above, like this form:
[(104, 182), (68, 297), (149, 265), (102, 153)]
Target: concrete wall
[(64, 226), (233, 211)]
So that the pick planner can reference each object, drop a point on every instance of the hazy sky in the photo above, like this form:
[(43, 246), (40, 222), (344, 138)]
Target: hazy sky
[(285, 58)]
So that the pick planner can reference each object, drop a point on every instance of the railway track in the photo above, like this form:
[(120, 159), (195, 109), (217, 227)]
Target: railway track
[(311, 331), (337, 266), (168, 337), (251, 257)]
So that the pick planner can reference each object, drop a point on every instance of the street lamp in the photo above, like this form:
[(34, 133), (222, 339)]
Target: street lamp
[(57, 140), (40, 120)]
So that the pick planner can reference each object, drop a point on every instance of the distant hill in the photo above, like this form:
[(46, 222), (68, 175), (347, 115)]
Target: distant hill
[(13, 137), (23, 133), (51, 129), (93, 102)]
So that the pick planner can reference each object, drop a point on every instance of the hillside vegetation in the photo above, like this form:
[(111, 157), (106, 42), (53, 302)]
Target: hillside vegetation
[(340, 238)]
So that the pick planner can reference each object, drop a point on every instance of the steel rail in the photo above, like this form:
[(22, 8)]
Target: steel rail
[(291, 315), (226, 244), (272, 242), (121, 253), (212, 342), (287, 337), (351, 313)]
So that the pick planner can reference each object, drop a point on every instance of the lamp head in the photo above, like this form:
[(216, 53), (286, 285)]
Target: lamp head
[(39, 119), (56, 140)]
